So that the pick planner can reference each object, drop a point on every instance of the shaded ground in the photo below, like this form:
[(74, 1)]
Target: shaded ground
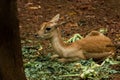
[(85, 16)]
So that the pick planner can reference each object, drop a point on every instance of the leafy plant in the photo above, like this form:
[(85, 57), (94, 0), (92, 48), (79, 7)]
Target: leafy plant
[(103, 30), (41, 67), (75, 38), (93, 71)]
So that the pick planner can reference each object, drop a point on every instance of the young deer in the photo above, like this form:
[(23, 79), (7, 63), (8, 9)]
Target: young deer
[(94, 45)]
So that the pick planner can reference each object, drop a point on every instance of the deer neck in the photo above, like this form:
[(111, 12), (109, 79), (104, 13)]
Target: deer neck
[(57, 43)]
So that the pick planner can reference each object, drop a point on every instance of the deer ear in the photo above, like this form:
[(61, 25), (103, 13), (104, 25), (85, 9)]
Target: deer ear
[(55, 18)]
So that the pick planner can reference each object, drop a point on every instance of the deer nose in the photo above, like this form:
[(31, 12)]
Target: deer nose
[(36, 35)]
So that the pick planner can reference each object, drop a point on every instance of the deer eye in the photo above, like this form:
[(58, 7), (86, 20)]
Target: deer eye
[(47, 29)]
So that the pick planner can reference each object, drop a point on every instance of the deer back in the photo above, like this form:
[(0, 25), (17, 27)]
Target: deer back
[(95, 42)]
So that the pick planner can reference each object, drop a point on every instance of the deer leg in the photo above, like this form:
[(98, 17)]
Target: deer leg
[(68, 59), (99, 55), (73, 54), (54, 56)]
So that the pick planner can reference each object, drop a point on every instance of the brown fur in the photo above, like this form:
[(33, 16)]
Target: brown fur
[(94, 45)]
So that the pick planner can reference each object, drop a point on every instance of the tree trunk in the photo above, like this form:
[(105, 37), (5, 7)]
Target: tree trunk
[(11, 65)]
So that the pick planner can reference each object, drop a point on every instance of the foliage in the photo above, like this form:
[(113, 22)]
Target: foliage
[(75, 38), (103, 30), (41, 67)]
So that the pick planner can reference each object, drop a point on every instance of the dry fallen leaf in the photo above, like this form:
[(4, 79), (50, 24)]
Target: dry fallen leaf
[(35, 7)]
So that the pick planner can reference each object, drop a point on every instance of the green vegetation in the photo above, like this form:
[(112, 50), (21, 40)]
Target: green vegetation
[(74, 38), (103, 30), (41, 67)]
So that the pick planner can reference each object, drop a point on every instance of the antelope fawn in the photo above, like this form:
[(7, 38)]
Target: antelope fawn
[(94, 45)]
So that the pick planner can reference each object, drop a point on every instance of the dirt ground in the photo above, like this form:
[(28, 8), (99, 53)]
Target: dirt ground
[(84, 16)]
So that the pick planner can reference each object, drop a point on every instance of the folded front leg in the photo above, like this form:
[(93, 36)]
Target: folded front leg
[(68, 59), (54, 56)]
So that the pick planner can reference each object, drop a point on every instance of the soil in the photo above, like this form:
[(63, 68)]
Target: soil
[(84, 16)]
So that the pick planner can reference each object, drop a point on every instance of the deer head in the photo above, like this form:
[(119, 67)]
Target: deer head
[(47, 28)]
